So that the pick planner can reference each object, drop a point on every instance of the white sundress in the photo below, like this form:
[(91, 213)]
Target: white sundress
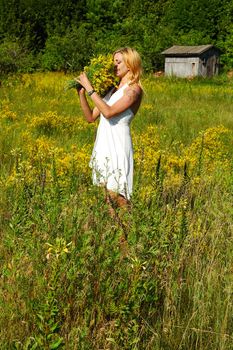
[(112, 156)]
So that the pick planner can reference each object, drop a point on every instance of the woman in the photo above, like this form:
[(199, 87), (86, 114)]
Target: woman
[(112, 157)]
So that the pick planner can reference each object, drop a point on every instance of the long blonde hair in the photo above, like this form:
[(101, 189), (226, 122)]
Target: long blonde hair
[(133, 61)]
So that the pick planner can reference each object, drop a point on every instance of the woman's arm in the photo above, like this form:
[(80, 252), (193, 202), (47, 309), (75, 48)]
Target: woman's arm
[(132, 94), (90, 114)]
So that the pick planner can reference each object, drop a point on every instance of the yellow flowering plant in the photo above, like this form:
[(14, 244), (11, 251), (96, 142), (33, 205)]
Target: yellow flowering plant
[(100, 72)]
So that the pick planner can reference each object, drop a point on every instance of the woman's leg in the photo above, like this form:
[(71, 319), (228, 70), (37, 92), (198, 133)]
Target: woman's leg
[(118, 205), (116, 200)]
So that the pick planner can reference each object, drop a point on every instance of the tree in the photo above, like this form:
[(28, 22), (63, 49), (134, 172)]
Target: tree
[(70, 51)]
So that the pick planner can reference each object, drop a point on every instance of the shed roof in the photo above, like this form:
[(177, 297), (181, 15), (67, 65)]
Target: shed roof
[(186, 50)]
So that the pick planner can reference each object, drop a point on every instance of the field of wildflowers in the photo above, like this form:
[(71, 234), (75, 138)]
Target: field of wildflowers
[(67, 280)]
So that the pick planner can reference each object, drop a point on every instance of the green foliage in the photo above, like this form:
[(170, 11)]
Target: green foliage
[(67, 34), (226, 46), (198, 16), (103, 14), (15, 58), (68, 52), (193, 37)]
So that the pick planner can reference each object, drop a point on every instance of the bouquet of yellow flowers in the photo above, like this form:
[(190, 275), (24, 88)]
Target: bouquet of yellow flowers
[(100, 72)]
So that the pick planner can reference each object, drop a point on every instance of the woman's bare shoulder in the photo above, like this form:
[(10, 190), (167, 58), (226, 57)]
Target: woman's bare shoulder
[(133, 90)]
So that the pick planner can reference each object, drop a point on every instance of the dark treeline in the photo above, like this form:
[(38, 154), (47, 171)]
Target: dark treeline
[(65, 34)]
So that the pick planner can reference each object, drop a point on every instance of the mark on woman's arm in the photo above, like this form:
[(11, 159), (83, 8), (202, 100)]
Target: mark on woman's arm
[(132, 94)]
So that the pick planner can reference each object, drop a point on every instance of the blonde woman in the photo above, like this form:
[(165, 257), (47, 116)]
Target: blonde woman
[(112, 157)]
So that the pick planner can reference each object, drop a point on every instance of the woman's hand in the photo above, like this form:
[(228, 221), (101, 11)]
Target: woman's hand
[(84, 81), (80, 89)]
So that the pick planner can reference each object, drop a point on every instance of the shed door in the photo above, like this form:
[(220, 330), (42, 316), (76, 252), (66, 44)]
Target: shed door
[(211, 66)]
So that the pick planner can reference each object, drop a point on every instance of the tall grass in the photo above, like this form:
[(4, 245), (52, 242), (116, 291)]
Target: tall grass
[(69, 279)]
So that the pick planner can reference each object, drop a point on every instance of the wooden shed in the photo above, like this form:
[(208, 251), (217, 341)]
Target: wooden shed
[(191, 61)]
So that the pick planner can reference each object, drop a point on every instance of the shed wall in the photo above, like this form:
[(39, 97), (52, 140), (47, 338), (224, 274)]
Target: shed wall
[(209, 64), (182, 66)]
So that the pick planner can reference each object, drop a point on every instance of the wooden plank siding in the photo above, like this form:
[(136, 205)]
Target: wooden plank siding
[(191, 61)]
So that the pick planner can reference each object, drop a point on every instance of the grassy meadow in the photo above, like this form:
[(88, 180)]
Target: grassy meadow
[(68, 279)]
